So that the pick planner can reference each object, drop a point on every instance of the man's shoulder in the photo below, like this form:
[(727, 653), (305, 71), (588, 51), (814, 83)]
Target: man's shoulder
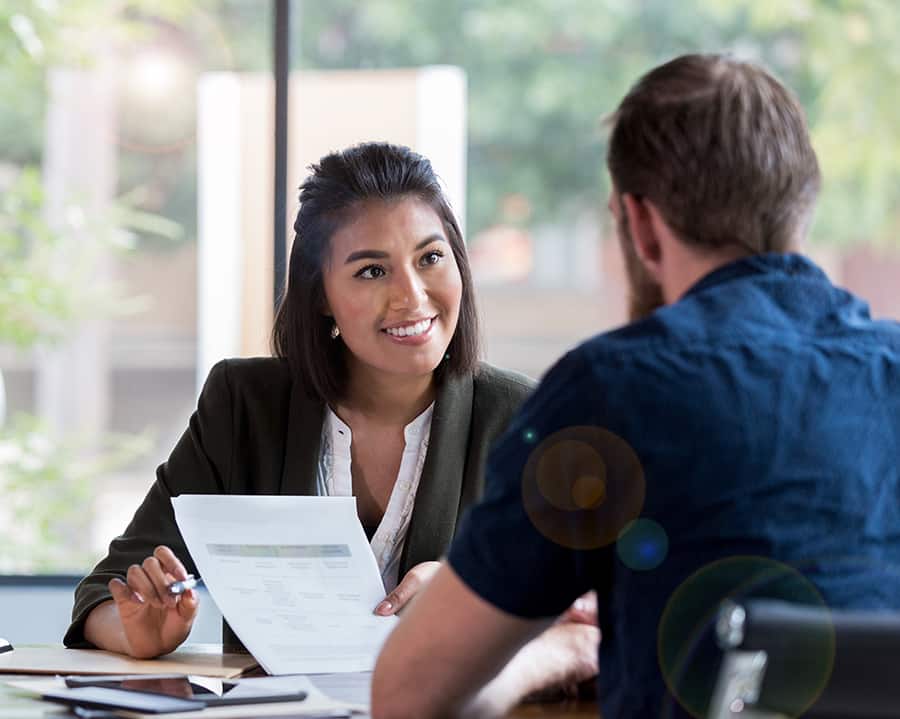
[(610, 365), (619, 346)]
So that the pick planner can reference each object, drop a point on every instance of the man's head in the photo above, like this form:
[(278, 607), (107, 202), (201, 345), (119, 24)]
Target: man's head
[(715, 153)]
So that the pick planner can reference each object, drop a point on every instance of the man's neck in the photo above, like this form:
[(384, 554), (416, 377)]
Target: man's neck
[(688, 266)]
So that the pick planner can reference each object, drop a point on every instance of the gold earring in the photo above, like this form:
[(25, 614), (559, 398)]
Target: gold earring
[(335, 331)]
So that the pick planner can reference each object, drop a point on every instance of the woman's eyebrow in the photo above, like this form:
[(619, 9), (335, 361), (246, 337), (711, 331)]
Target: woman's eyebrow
[(380, 255)]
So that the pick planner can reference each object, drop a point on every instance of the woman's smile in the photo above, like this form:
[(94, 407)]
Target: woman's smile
[(414, 332)]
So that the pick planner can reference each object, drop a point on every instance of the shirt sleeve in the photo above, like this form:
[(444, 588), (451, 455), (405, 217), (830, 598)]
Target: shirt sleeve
[(519, 547), (199, 464)]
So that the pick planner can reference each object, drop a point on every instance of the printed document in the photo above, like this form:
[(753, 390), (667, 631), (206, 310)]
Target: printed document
[(293, 576)]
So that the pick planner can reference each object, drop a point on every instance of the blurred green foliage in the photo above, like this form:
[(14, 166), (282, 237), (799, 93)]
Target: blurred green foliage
[(35, 302), (544, 73), (47, 282), (47, 288), (542, 76), (48, 482), (48, 487)]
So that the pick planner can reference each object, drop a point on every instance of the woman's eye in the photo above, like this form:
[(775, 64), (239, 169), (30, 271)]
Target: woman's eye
[(432, 258), (372, 272)]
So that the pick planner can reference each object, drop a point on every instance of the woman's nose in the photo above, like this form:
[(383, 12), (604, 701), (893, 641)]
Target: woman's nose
[(407, 290)]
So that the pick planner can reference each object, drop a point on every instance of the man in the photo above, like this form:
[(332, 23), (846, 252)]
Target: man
[(738, 438)]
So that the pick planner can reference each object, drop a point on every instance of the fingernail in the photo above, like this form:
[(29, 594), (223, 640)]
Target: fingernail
[(581, 605), (384, 608), (138, 597)]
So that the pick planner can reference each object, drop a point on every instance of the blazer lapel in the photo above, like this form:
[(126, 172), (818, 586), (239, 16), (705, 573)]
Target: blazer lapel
[(301, 454), (434, 515)]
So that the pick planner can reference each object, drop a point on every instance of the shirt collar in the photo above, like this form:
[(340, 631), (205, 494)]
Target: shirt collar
[(342, 437), (771, 262), (414, 430)]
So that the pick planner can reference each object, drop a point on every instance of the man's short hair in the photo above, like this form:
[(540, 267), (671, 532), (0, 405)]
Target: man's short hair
[(723, 151)]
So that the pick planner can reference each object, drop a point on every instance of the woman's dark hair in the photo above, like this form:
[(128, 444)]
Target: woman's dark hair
[(329, 198)]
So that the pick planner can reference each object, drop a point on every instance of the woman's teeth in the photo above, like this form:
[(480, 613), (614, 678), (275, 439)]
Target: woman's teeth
[(411, 331)]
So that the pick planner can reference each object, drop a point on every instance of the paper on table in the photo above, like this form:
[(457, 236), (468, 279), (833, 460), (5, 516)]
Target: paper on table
[(355, 688), (294, 576)]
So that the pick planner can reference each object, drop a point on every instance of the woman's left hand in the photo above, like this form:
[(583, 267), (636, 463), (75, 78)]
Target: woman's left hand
[(415, 579)]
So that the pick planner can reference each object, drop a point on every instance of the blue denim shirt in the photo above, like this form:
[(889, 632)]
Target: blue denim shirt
[(763, 413)]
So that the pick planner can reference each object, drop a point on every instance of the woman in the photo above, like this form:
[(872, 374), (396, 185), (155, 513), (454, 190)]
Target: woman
[(375, 391)]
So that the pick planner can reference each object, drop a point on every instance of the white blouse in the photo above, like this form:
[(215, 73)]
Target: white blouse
[(333, 479)]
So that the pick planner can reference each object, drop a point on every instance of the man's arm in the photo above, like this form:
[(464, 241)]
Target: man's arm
[(453, 654)]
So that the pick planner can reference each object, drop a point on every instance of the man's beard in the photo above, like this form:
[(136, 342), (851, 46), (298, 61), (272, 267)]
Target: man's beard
[(644, 294)]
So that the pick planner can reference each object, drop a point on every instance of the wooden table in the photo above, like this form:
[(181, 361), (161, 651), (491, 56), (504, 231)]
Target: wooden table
[(14, 706), (17, 707)]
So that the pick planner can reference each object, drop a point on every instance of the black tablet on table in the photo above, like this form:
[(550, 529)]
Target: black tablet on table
[(164, 693)]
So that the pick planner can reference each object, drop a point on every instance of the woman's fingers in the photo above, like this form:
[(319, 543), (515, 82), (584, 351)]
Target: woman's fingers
[(161, 580), (163, 568), (122, 593), (188, 604), (412, 583), (150, 580), (170, 563), (154, 621), (402, 593), (140, 583)]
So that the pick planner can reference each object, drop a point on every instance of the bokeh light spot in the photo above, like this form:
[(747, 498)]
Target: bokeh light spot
[(589, 490), (642, 545), (581, 486), (687, 650)]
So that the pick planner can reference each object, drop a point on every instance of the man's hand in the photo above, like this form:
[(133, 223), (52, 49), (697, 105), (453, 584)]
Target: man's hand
[(583, 610), (154, 621), (556, 662), (415, 579), (565, 655)]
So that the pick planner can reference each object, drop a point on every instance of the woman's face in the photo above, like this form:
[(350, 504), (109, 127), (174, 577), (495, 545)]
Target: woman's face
[(393, 287)]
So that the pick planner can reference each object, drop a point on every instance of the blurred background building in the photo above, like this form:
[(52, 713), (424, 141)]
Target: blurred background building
[(135, 193)]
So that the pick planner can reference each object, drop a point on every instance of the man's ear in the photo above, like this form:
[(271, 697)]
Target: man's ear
[(643, 225)]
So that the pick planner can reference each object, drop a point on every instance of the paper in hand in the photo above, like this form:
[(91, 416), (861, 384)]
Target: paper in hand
[(293, 576)]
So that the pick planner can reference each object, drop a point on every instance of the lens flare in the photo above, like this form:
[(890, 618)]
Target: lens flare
[(688, 655), (642, 545), (581, 486)]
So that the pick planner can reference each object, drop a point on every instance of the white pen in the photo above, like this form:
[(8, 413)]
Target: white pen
[(181, 586)]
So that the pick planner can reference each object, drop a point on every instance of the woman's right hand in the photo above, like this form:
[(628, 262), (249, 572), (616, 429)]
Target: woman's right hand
[(154, 621)]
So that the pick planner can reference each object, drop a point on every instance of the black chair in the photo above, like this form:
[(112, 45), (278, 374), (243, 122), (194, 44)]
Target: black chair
[(784, 659)]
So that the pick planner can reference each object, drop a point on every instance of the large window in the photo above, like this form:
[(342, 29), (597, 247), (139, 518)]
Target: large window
[(135, 171)]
